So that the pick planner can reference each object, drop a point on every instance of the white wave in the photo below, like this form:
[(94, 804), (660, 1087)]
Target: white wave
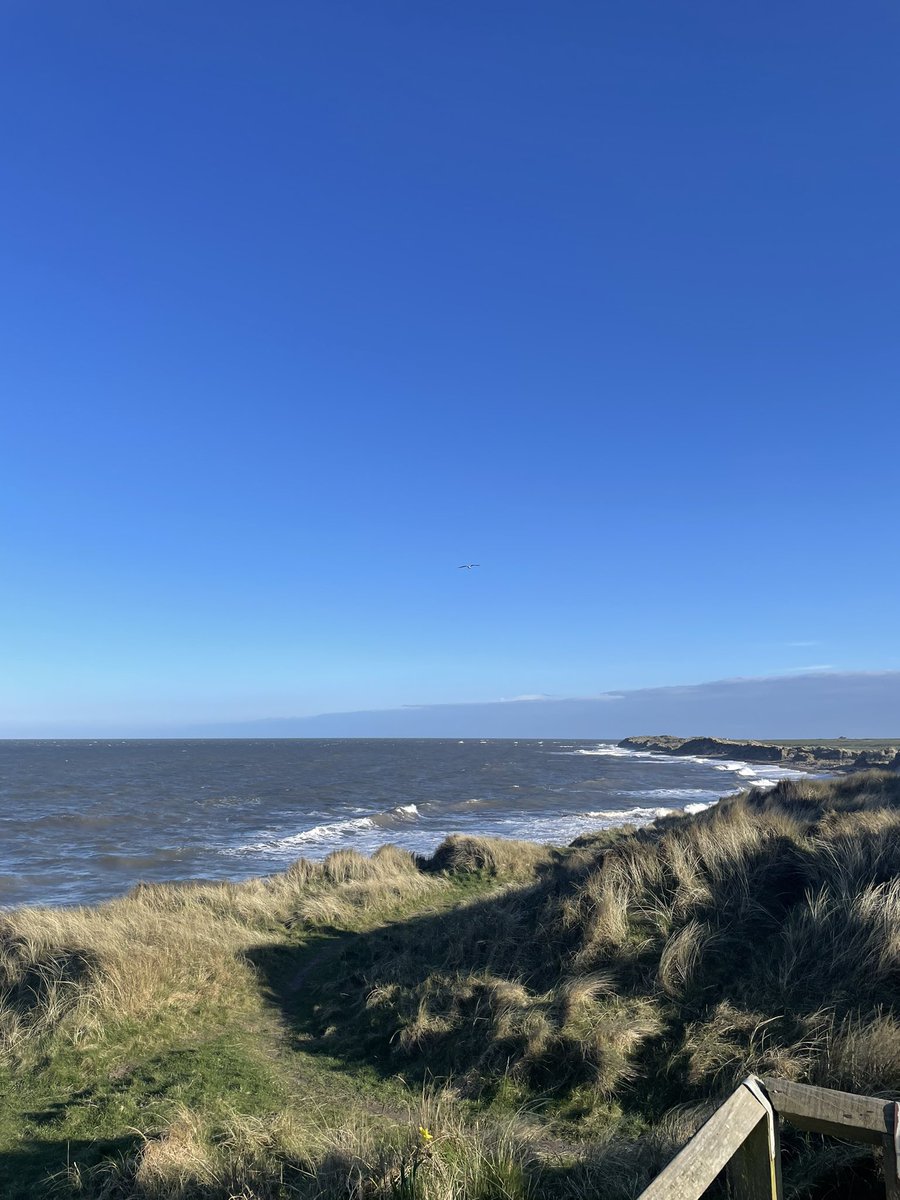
[(787, 772), (640, 815), (733, 766), (333, 831), (765, 775), (563, 828), (405, 810), (762, 775), (610, 750), (627, 816), (748, 770), (675, 793), (607, 750)]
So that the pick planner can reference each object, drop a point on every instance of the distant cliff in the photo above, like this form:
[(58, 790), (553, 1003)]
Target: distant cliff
[(833, 755)]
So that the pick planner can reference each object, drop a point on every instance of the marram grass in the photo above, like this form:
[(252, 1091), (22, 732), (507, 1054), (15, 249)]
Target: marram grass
[(500, 1021)]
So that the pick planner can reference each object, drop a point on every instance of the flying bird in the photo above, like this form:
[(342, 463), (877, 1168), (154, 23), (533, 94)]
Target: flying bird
[(468, 566)]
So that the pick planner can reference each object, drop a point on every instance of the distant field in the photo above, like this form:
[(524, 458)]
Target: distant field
[(837, 743)]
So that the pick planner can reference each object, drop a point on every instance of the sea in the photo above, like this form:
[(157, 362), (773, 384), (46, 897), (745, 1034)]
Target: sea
[(84, 821)]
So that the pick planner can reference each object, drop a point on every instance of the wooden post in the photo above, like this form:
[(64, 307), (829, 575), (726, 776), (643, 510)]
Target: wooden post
[(711, 1148), (890, 1155), (754, 1172), (751, 1171)]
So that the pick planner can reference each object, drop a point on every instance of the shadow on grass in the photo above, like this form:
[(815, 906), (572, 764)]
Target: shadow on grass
[(323, 987), (39, 1168), (51, 1126), (354, 996)]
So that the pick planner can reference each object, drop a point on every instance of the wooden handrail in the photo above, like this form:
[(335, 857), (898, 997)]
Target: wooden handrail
[(742, 1136), (712, 1148), (821, 1110)]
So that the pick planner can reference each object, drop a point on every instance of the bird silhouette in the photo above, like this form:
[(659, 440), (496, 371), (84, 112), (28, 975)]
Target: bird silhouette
[(468, 566)]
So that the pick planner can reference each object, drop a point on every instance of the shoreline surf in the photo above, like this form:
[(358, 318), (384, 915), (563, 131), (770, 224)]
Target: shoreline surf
[(84, 822)]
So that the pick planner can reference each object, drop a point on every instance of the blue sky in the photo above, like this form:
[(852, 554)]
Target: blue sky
[(306, 303)]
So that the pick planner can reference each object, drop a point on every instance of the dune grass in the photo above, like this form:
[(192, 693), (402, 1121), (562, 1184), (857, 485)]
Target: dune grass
[(500, 1021)]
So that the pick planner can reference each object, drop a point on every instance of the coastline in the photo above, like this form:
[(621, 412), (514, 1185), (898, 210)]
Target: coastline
[(833, 756), (234, 811), (218, 828)]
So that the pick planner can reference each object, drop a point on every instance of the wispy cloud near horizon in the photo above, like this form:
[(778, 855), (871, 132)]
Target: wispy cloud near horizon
[(802, 670), (805, 702)]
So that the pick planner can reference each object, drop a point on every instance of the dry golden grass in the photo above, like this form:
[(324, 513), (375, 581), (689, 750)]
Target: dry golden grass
[(72, 971), (502, 857), (423, 1153), (862, 1055), (75, 970)]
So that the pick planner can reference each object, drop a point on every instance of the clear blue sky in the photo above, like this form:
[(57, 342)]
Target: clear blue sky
[(305, 303)]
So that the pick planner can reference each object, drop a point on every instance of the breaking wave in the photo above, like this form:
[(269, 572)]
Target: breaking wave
[(331, 833), (764, 775), (662, 793)]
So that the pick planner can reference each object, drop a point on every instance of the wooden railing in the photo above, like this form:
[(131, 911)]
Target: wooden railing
[(742, 1138)]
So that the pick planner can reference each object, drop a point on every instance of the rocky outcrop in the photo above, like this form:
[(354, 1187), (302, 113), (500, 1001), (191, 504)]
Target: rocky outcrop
[(705, 747), (852, 756)]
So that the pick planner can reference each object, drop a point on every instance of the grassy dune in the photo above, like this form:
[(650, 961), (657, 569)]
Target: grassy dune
[(502, 1020)]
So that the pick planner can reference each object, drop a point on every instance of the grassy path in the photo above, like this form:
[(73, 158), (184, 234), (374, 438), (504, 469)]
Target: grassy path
[(69, 1102)]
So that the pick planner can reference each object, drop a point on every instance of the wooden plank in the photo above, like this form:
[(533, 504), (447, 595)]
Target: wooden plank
[(694, 1168), (754, 1172), (822, 1110)]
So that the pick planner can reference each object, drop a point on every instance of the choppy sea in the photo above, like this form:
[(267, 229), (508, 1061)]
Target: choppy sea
[(82, 821)]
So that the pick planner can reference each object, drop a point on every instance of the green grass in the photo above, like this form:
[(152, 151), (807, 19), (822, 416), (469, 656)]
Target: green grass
[(86, 1091), (86, 1105), (68, 1099)]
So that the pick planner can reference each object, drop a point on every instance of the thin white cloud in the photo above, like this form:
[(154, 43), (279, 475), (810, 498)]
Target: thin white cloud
[(799, 645), (803, 670), (532, 697)]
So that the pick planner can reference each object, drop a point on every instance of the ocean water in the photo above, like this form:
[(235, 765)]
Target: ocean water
[(82, 821)]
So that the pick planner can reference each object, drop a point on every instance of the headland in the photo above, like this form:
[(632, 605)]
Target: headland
[(837, 754)]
